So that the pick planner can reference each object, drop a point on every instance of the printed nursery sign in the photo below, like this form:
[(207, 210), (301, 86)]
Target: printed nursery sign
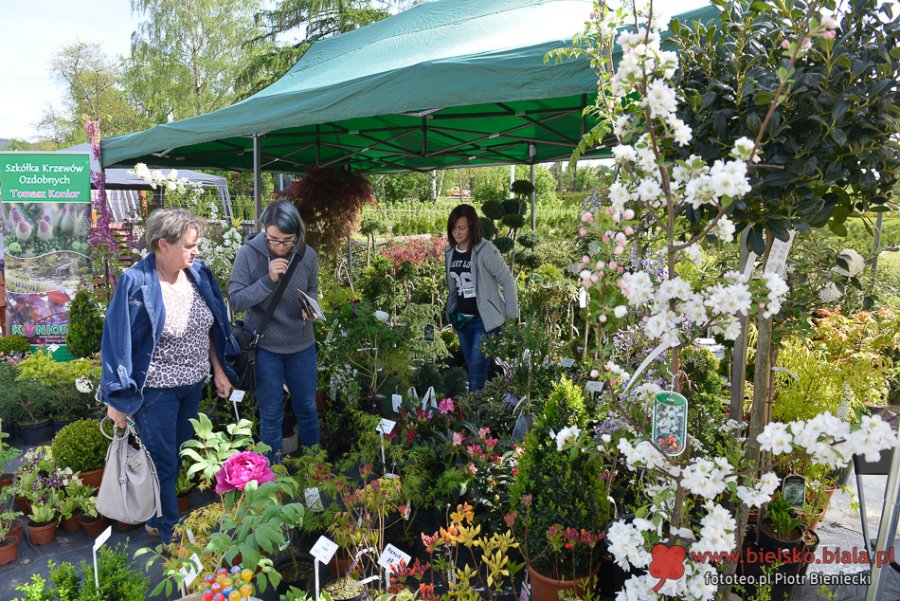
[(392, 556), (46, 212), (45, 177)]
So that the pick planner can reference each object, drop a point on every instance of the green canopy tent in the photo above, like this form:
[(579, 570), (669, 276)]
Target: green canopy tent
[(444, 84)]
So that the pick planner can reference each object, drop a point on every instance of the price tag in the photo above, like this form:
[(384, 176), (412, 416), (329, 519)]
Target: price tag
[(191, 571), (313, 500), (386, 426), (566, 362), (396, 402), (98, 542), (593, 386), (392, 556), (237, 396), (324, 549)]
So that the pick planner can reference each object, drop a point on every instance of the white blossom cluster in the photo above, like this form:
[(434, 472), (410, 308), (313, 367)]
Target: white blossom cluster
[(828, 439), (170, 181)]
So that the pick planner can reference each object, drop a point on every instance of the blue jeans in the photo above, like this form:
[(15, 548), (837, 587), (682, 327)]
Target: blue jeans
[(300, 372), (163, 426), (471, 337)]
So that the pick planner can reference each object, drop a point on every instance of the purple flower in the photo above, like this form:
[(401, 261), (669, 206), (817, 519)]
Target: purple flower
[(241, 468)]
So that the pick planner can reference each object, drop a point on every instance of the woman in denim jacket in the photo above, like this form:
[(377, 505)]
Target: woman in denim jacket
[(166, 328)]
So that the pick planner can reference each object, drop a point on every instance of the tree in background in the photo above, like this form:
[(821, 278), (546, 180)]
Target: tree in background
[(93, 89), (186, 55)]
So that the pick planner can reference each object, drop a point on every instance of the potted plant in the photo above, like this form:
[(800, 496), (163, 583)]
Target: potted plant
[(560, 486), (34, 425), (68, 384), (184, 485), (9, 537), (7, 454), (780, 527), (82, 446), (90, 519), (42, 520)]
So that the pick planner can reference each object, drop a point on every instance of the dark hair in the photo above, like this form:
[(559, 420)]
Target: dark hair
[(476, 233), (285, 217)]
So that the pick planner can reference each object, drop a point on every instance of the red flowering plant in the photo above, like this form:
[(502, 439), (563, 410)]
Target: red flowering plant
[(254, 513), (462, 561)]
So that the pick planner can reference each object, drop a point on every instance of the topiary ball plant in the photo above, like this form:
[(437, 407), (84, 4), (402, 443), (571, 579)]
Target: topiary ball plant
[(80, 446), (14, 344)]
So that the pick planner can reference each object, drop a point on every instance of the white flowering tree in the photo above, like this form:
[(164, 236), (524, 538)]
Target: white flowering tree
[(652, 223), (220, 245)]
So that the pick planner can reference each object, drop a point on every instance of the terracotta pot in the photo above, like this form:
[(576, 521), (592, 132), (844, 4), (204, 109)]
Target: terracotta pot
[(340, 564), (9, 551), (92, 477), (184, 502), (93, 526), (18, 530), (126, 527), (549, 589), (43, 534), (71, 524), (5, 480)]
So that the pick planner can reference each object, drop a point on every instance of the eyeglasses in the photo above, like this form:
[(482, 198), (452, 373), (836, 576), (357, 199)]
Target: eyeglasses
[(275, 242)]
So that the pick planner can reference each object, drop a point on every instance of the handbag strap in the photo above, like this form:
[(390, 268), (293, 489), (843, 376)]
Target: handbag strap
[(282, 285)]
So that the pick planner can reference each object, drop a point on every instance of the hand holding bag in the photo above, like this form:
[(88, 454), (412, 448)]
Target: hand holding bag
[(129, 491)]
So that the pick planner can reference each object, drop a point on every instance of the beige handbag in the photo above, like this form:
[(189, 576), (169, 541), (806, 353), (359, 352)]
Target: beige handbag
[(129, 491)]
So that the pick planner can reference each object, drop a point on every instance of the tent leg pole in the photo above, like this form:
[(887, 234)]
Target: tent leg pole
[(257, 182), (533, 201)]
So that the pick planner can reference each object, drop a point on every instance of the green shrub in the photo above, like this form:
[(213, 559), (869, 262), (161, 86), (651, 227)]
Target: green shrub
[(14, 344), (566, 487), (493, 209), (488, 227), (529, 239), (85, 325), (504, 245), (80, 446)]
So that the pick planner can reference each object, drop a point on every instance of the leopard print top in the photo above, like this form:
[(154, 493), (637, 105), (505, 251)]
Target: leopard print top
[(182, 356)]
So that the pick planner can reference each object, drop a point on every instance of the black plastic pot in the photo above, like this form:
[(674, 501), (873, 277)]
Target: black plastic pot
[(34, 434)]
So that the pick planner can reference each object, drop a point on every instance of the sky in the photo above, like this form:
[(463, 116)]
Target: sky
[(31, 31)]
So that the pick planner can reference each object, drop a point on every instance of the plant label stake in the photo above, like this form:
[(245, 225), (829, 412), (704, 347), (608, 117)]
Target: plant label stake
[(98, 542), (670, 411), (566, 362), (391, 556), (396, 402), (429, 398), (384, 428), (322, 552), (189, 572), (778, 255), (593, 386), (313, 500), (793, 490), (237, 396)]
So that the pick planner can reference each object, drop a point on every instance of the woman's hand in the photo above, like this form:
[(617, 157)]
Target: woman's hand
[(277, 268), (223, 386), (117, 417)]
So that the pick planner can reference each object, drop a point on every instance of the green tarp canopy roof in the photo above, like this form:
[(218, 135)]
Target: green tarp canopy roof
[(445, 84)]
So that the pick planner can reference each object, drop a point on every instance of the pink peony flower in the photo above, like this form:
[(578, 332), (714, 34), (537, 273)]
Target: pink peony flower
[(241, 468)]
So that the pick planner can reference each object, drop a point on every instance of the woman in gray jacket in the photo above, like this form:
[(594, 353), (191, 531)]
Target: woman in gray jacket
[(287, 349), (475, 273)]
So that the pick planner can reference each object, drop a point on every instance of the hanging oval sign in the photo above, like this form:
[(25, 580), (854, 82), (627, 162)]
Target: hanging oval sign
[(670, 413)]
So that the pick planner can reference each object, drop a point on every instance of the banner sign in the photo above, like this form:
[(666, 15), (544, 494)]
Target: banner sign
[(46, 212)]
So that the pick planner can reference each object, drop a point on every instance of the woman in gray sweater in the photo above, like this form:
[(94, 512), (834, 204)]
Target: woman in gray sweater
[(475, 274), (287, 349)]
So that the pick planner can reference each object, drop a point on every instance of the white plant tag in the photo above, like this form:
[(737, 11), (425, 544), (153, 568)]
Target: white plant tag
[(582, 298), (98, 542), (237, 396), (778, 255), (53, 348), (429, 399), (566, 362), (396, 401), (593, 386), (392, 556), (324, 549), (386, 426), (313, 500), (191, 571)]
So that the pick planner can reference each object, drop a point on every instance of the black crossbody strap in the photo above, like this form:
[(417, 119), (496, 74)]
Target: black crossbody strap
[(258, 333)]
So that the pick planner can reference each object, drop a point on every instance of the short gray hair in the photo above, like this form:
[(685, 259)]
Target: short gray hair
[(171, 225)]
